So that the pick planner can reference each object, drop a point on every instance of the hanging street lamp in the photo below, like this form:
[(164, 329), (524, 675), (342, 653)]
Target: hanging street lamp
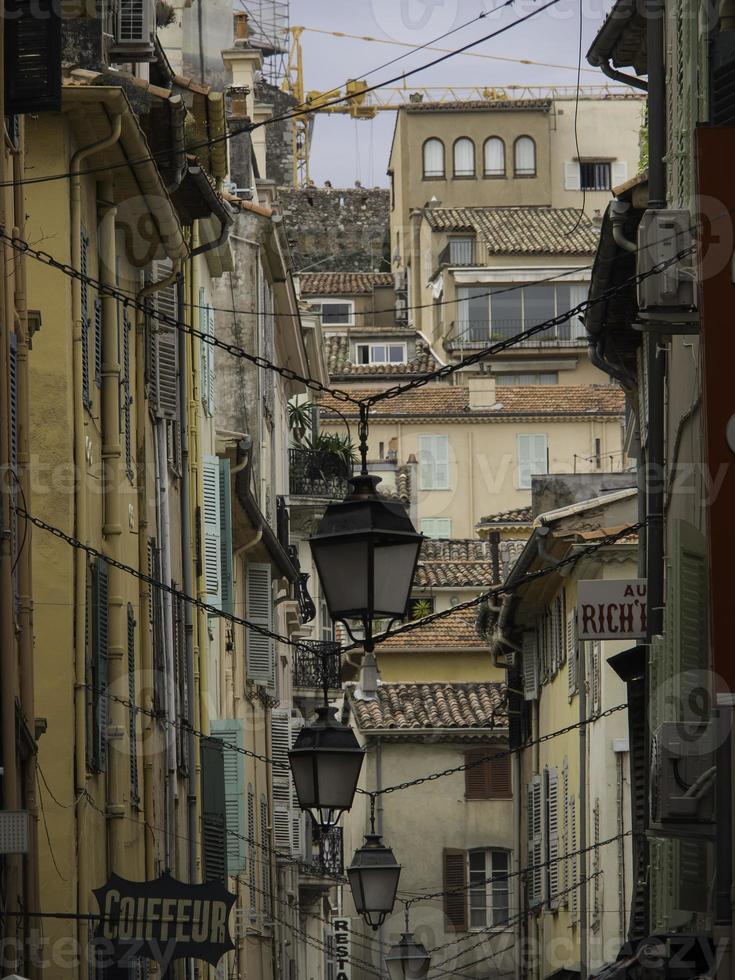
[(408, 959), (373, 877)]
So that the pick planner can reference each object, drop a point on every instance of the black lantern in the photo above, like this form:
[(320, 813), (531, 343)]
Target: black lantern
[(325, 764), (373, 877), (365, 551), (408, 960)]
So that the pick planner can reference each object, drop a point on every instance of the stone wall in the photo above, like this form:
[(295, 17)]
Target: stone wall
[(278, 135), (334, 230)]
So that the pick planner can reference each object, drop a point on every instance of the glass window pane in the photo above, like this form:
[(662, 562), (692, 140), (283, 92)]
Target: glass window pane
[(336, 312), (538, 306), (363, 354), (500, 889), (494, 157), (378, 354), (396, 354), (433, 158), (506, 314), (464, 158), (563, 303), (525, 156), (474, 314)]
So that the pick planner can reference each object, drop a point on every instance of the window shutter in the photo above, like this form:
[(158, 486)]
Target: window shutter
[(619, 172), (298, 817), (595, 677), (204, 362), (572, 180), (534, 838), (98, 342), (477, 778), (688, 604), (434, 462), (455, 878), (212, 529), (500, 778), (574, 891), (165, 359), (84, 287), (252, 854), (101, 613), (260, 652), (225, 523), (281, 778), (132, 716), (230, 732), (13, 486), (265, 865), (530, 667), (214, 811), (32, 56), (552, 832), (565, 830), (572, 654), (210, 362), (126, 398)]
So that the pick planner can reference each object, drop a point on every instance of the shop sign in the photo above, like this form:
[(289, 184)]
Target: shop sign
[(611, 609)]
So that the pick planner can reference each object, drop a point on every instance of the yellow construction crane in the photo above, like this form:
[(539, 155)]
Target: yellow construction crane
[(357, 102)]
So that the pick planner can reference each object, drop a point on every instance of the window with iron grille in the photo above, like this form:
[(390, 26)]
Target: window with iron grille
[(595, 176)]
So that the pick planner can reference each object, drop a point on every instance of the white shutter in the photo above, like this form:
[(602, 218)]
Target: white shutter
[(565, 830), (532, 458), (210, 362), (436, 527), (552, 830), (618, 172), (297, 815), (260, 650), (572, 654), (572, 180), (434, 462), (212, 530), (530, 667), (574, 893), (535, 842), (165, 358)]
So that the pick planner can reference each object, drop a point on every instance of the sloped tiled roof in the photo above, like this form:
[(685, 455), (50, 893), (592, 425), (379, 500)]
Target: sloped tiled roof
[(467, 105), (342, 283), (519, 515), (415, 707), (455, 564), (456, 631), (337, 347), (521, 230), (439, 400)]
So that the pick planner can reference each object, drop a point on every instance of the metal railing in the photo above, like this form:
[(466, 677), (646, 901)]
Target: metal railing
[(317, 474), (327, 857), (316, 663), (465, 334)]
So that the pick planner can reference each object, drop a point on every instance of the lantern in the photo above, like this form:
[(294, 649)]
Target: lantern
[(373, 877)]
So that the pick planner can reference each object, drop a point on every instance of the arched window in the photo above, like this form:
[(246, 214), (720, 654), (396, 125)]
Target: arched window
[(464, 157), (524, 157), (494, 157), (433, 158)]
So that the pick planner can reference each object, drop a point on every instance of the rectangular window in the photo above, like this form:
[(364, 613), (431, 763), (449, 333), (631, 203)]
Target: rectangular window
[(380, 353), (487, 313), (434, 462), (334, 313), (595, 176), (539, 378), (532, 458), (461, 251), (489, 893), (420, 606), (436, 527)]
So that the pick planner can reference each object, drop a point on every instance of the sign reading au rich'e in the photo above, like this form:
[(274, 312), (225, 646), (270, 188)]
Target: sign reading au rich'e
[(611, 609), (163, 920)]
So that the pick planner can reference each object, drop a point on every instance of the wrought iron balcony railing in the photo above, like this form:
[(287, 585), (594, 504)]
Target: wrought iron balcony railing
[(464, 334), (316, 664), (317, 474), (327, 857)]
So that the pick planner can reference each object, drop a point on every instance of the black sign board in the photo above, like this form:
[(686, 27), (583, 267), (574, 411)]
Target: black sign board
[(162, 920)]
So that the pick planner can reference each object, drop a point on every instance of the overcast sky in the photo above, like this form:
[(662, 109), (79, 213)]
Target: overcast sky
[(345, 150)]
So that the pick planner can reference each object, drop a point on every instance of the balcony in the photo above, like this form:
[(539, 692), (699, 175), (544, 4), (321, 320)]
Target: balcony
[(317, 474), (316, 663), (327, 852), (468, 335)]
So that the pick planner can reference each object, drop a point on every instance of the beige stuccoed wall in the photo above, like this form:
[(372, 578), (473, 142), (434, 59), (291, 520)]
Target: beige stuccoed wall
[(438, 667)]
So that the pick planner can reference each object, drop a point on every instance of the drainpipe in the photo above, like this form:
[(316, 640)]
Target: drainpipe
[(80, 528), (379, 813), (656, 356), (518, 928), (618, 213), (112, 482), (150, 732), (619, 76), (583, 933)]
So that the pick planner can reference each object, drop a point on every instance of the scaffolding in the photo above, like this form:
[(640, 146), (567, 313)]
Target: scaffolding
[(269, 30)]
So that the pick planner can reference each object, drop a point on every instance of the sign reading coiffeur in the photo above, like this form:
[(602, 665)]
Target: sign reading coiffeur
[(611, 609), (162, 920)]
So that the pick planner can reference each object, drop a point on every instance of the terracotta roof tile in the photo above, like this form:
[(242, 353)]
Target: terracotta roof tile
[(342, 283), (453, 401), (521, 230), (455, 564), (477, 104), (415, 707), (456, 631), (519, 515), (338, 346)]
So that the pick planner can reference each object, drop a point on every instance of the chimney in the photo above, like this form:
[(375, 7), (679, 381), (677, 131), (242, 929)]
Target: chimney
[(482, 391), (242, 27)]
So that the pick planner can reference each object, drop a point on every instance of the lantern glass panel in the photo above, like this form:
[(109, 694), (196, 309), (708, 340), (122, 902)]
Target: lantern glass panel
[(408, 960), (393, 571), (374, 889), (343, 572)]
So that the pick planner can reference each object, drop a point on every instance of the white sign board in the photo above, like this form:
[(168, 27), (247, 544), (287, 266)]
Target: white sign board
[(341, 949), (613, 609)]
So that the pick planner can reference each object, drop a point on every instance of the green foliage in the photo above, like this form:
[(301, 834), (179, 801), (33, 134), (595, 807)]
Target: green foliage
[(299, 420), (643, 140)]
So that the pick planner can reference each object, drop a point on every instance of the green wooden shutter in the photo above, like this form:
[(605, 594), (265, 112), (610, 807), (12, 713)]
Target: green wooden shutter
[(212, 530), (132, 716), (32, 56), (214, 811), (225, 523), (230, 731), (260, 650), (100, 651)]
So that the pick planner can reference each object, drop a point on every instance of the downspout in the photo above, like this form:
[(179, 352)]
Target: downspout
[(583, 931), (518, 928), (112, 482), (150, 732), (80, 527), (379, 813), (187, 584), (655, 355), (619, 76), (224, 234)]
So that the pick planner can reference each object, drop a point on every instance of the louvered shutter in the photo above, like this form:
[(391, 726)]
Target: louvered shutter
[(252, 831), (280, 744), (212, 529), (572, 180), (298, 817), (210, 362), (32, 56), (688, 610), (84, 288), (455, 881), (126, 399), (596, 678), (552, 835), (214, 811), (12, 487), (265, 866), (477, 783), (433, 462), (532, 458), (98, 342), (500, 778), (574, 890), (260, 649), (230, 732), (535, 840), (619, 172), (530, 667), (132, 712), (203, 360), (572, 654), (225, 523), (165, 358), (565, 831), (101, 613)]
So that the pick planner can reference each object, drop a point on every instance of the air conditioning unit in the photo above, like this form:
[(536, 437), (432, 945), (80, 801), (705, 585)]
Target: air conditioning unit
[(682, 773), (669, 294), (135, 30)]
